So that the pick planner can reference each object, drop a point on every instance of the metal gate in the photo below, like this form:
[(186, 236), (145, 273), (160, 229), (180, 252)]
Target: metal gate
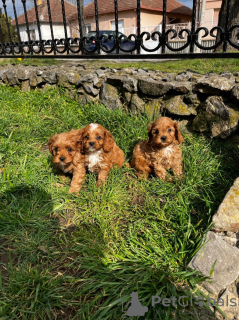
[(113, 44)]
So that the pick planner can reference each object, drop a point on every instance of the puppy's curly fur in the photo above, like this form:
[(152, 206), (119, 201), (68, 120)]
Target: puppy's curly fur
[(100, 150), (160, 151), (67, 158)]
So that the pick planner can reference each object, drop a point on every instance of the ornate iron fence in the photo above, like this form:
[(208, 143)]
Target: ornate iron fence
[(102, 45)]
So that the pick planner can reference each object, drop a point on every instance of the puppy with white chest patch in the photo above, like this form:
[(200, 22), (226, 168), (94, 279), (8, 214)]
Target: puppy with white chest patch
[(67, 158), (100, 150), (160, 151)]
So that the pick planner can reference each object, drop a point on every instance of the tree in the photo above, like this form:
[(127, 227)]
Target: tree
[(233, 20), (5, 27)]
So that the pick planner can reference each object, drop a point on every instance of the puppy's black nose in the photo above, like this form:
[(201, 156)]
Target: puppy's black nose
[(91, 143), (163, 138), (62, 158)]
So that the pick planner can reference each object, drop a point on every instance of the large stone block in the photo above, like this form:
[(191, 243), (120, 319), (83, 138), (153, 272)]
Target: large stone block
[(137, 104), (214, 85), (26, 86), (235, 93), (153, 108), (49, 76), (130, 84), (177, 106), (115, 80), (62, 79), (154, 88), (110, 97), (182, 87), (12, 77), (24, 73), (226, 259), (228, 303), (227, 216), (216, 117), (3, 75), (89, 88)]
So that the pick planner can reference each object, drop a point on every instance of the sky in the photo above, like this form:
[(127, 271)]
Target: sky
[(30, 3), (188, 3)]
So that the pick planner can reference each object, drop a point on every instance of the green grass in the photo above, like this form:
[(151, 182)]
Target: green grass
[(197, 65), (180, 65), (29, 61), (126, 236)]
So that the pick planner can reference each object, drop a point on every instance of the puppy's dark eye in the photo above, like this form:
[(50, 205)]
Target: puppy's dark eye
[(70, 149), (56, 149), (86, 137), (169, 130), (156, 131), (98, 137)]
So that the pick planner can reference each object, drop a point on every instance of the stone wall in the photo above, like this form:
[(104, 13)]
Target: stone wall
[(210, 101), (220, 249)]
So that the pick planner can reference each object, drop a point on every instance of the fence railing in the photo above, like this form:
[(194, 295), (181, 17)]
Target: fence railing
[(29, 32)]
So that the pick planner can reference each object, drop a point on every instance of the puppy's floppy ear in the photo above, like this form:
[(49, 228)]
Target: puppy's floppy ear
[(79, 145), (50, 143), (108, 141), (79, 140), (178, 134), (150, 136)]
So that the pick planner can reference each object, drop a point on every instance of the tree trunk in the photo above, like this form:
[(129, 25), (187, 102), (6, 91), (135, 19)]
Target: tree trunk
[(233, 20)]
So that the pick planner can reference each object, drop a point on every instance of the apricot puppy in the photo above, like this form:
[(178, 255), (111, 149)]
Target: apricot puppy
[(100, 150), (160, 151), (67, 158)]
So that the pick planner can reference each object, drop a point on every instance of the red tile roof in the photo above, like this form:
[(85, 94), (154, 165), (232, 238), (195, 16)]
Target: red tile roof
[(56, 12), (107, 6)]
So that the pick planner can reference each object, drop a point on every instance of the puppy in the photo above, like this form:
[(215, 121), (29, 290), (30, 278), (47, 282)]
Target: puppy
[(67, 158), (100, 150), (160, 151)]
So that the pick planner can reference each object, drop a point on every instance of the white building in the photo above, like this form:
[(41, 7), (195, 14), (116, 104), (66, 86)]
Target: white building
[(58, 29)]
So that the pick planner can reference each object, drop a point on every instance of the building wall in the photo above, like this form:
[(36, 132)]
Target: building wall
[(213, 4), (129, 18), (23, 32), (151, 18), (58, 31), (212, 10), (148, 19)]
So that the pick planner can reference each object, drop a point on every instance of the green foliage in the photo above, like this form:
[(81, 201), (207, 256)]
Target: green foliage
[(75, 256), (6, 27)]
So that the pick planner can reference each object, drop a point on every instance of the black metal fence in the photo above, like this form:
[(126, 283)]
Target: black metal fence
[(102, 45)]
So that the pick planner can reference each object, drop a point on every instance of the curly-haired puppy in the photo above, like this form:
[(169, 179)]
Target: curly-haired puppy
[(100, 150), (67, 158), (160, 151)]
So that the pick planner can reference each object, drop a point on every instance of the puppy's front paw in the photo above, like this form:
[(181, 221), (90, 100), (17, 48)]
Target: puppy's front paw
[(142, 175), (180, 177), (73, 190), (99, 183), (63, 178)]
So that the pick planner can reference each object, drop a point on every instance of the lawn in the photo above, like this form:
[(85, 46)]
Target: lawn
[(180, 65), (74, 257)]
